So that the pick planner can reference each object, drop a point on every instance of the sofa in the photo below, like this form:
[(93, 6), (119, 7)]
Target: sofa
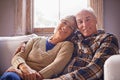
[(8, 46)]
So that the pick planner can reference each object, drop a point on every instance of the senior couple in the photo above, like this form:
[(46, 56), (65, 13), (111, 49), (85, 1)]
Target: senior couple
[(76, 51)]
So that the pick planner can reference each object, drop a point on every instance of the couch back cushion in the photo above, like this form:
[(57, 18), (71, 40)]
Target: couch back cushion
[(8, 46)]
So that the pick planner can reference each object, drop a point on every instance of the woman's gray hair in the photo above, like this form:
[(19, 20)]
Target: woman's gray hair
[(71, 19)]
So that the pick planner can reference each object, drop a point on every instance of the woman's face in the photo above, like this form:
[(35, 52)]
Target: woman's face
[(64, 29)]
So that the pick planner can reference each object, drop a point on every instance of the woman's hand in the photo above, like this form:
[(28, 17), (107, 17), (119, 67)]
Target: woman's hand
[(28, 73), (12, 69)]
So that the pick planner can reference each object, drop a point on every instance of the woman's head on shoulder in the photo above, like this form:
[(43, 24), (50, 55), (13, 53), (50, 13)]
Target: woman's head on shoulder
[(66, 27)]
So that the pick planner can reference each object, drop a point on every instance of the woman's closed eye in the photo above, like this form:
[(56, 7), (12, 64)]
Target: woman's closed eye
[(64, 22), (79, 22)]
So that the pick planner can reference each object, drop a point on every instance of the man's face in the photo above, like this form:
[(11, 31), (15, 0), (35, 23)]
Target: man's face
[(86, 22)]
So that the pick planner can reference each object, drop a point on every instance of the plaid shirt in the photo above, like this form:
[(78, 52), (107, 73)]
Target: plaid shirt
[(90, 55)]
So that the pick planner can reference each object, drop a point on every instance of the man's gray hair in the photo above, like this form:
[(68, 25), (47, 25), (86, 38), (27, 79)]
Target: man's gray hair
[(89, 9)]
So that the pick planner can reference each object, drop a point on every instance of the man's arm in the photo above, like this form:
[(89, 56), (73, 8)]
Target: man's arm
[(21, 48)]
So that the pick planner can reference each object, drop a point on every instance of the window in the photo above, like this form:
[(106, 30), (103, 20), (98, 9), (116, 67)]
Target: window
[(25, 11), (47, 13)]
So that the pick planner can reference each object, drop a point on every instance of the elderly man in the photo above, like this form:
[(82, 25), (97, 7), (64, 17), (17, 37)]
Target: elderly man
[(93, 47)]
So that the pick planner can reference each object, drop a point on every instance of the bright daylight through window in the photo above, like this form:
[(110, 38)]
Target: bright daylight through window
[(47, 13)]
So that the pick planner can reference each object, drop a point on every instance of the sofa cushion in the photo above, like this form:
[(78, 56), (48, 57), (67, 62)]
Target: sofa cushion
[(8, 46)]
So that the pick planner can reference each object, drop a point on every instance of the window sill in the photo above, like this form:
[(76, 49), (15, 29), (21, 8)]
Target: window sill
[(44, 31)]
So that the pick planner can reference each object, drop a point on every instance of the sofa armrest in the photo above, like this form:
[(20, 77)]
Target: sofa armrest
[(112, 68)]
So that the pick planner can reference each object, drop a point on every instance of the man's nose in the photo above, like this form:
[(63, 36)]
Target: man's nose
[(84, 23)]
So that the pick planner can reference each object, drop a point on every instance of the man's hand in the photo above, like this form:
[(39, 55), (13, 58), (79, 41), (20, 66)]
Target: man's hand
[(21, 48)]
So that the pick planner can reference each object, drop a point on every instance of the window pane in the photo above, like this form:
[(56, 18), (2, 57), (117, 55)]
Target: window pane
[(45, 13), (48, 12), (69, 7)]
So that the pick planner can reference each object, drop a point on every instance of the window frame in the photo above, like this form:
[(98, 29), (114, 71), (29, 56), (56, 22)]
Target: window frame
[(43, 31), (24, 17)]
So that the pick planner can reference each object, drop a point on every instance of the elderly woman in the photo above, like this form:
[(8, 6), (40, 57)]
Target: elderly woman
[(44, 57)]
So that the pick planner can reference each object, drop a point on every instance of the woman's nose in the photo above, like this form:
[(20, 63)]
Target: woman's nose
[(64, 27)]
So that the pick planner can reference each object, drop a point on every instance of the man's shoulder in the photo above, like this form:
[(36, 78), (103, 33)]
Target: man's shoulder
[(106, 34), (110, 35)]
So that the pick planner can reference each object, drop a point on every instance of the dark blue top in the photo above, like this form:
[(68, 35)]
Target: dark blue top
[(49, 45)]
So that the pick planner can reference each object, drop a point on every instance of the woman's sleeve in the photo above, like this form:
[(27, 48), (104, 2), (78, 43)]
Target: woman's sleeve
[(20, 57)]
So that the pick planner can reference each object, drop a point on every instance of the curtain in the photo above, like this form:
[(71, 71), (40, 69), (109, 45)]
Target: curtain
[(97, 5)]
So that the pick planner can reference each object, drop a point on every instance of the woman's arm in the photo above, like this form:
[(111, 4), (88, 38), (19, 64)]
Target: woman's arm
[(19, 61), (21, 56)]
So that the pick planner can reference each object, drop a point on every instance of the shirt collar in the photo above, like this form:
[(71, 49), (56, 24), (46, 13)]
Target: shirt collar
[(93, 35)]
